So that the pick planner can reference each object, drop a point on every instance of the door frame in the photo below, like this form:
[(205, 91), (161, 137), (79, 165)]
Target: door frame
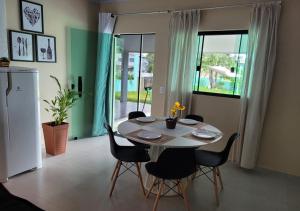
[(112, 72)]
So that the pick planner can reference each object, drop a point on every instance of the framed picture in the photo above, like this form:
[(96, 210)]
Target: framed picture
[(32, 18), (21, 46), (45, 48)]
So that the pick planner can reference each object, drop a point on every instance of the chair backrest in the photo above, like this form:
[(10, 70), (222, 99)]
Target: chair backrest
[(195, 117), (225, 153), (178, 161), (113, 144), (136, 114)]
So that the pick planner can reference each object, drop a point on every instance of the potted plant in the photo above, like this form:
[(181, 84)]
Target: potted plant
[(172, 120), (56, 132)]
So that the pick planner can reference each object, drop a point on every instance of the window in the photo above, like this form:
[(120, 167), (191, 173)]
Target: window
[(220, 63)]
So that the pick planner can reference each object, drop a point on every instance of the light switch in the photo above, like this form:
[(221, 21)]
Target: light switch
[(162, 90)]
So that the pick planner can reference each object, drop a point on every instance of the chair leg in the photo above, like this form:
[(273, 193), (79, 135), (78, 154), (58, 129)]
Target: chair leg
[(178, 187), (161, 185), (185, 197), (220, 178), (152, 185), (115, 178), (216, 185), (140, 177), (113, 174)]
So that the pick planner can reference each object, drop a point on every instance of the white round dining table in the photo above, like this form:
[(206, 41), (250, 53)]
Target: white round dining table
[(180, 137)]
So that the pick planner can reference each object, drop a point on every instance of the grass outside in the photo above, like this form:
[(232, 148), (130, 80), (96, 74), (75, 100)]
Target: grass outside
[(132, 96)]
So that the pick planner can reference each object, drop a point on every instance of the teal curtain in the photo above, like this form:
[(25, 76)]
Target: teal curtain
[(101, 107)]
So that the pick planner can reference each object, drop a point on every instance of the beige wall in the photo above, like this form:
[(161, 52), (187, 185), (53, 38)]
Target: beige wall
[(280, 149), (58, 15)]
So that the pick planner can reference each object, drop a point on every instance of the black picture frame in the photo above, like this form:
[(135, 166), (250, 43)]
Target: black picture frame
[(38, 49), (12, 53), (24, 26)]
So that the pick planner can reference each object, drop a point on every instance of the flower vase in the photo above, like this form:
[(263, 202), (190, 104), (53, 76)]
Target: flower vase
[(171, 123)]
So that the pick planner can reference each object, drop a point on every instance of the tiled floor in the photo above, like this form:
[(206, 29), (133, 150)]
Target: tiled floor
[(80, 180)]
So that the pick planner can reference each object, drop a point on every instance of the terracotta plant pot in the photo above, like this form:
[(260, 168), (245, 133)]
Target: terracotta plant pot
[(55, 137), (171, 123)]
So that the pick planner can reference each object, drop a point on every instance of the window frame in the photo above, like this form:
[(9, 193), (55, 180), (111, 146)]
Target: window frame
[(198, 67)]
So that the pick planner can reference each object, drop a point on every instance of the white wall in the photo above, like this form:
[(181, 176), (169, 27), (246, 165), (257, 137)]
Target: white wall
[(58, 16), (3, 34)]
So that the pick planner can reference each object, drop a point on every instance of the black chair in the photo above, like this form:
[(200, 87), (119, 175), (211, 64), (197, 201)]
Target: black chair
[(134, 115), (127, 156), (209, 161), (195, 117), (173, 164)]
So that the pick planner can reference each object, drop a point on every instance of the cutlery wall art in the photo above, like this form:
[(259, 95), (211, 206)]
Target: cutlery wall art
[(21, 46), (25, 46), (31, 16), (45, 48)]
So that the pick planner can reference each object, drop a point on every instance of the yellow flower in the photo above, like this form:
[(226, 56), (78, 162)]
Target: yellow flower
[(177, 104), (173, 112), (181, 108)]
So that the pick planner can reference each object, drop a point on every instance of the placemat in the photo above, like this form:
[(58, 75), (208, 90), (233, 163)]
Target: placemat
[(164, 138), (191, 136)]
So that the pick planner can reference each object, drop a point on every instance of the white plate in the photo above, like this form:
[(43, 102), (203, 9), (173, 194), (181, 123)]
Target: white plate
[(205, 134), (149, 135), (146, 119), (188, 121)]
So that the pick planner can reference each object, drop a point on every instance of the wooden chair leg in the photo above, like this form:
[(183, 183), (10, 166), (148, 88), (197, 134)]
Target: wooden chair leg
[(115, 178), (216, 185), (140, 177), (185, 197), (178, 187), (161, 184), (220, 178), (113, 174), (152, 185)]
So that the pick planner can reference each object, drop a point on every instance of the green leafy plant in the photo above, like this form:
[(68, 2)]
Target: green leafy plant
[(62, 102)]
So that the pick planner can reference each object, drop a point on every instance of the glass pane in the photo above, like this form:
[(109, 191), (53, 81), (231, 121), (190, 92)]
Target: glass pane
[(220, 63), (146, 74), (241, 64), (82, 61), (126, 76)]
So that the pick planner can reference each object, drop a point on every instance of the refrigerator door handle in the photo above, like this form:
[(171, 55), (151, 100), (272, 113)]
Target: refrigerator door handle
[(9, 83)]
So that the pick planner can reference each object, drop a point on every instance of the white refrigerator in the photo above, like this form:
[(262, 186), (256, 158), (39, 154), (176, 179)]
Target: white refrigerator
[(20, 144)]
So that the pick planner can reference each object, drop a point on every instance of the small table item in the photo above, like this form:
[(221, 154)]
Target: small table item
[(149, 135), (205, 134), (188, 121), (147, 119)]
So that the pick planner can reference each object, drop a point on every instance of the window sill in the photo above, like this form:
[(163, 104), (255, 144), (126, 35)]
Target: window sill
[(216, 94)]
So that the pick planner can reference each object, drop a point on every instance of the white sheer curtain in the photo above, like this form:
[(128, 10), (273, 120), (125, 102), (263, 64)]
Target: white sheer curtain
[(258, 79), (183, 54), (3, 33)]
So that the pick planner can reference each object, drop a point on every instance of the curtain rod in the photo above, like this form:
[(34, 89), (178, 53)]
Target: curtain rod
[(203, 8)]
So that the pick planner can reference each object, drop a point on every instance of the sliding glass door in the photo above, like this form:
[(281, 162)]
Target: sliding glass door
[(133, 66)]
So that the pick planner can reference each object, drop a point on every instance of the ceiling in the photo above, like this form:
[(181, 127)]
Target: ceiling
[(107, 1)]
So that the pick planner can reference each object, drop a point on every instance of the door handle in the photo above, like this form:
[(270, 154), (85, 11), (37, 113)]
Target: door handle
[(80, 86), (9, 83)]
